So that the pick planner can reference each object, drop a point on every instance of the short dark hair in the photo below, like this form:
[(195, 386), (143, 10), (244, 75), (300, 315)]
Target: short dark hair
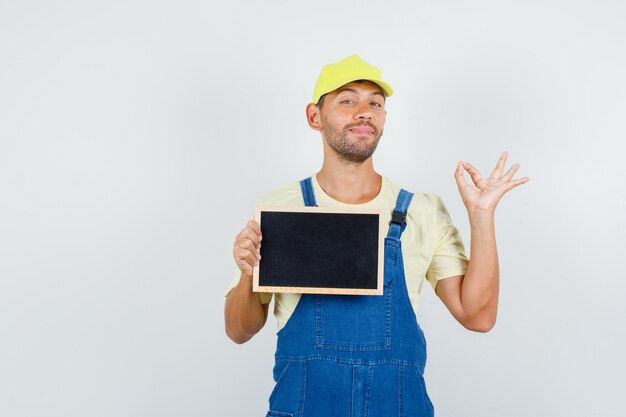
[(320, 102)]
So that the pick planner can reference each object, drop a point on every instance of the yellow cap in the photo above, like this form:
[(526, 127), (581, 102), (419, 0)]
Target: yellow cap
[(349, 69)]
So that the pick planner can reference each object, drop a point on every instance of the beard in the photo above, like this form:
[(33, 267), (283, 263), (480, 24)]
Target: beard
[(356, 151)]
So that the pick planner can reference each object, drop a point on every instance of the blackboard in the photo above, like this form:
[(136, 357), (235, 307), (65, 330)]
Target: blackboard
[(320, 250)]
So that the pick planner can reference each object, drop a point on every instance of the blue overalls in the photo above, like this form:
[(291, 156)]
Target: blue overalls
[(354, 355)]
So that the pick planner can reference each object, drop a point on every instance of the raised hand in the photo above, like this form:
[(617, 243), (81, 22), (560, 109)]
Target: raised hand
[(485, 193)]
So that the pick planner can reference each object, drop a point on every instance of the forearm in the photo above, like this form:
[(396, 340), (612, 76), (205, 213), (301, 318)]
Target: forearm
[(479, 293), (244, 314), (473, 298)]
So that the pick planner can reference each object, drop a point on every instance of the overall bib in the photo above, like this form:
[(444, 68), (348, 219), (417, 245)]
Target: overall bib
[(354, 355)]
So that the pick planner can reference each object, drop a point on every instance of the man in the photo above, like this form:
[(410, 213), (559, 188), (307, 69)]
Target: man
[(365, 355)]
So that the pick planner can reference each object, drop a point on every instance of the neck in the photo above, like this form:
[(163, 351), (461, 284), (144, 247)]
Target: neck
[(348, 182)]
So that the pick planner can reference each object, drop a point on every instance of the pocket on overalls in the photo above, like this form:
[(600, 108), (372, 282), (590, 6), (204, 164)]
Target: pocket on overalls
[(358, 322), (287, 394), (354, 322)]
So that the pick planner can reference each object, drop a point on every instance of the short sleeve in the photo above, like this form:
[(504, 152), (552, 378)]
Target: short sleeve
[(265, 297), (448, 250)]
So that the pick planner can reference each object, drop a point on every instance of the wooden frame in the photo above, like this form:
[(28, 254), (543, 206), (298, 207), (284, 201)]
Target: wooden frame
[(258, 216)]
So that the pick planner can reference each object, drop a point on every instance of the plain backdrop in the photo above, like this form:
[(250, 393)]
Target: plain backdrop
[(135, 137)]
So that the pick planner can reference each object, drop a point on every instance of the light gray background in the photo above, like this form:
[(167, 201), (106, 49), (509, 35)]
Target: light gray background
[(135, 137)]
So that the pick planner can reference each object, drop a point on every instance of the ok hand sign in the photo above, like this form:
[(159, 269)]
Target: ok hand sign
[(485, 193)]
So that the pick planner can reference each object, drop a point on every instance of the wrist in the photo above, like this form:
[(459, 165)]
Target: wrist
[(246, 279), (480, 218), (481, 213)]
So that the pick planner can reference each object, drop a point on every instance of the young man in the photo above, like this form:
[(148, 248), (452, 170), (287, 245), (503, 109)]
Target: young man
[(365, 355)]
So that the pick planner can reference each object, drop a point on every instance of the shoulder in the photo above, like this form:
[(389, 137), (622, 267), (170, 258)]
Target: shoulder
[(423, 207), (286, 195), (422, 204)]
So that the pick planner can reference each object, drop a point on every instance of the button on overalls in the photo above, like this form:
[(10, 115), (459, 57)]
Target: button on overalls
[(354, 355)]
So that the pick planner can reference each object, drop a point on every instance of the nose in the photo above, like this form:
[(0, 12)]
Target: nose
[(363, 111)]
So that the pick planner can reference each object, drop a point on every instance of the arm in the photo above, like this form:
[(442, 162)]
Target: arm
[(244, 314), (473, 298)]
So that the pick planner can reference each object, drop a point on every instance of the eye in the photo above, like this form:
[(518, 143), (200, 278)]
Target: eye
[(376, 104), (347, 101)]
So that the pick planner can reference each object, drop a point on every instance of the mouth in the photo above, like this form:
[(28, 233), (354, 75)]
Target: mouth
[(362, 130)]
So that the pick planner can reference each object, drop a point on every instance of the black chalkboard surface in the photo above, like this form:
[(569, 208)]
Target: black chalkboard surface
[(320, 250)]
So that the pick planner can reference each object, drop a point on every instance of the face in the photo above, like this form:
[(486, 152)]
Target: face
[(352, 120)]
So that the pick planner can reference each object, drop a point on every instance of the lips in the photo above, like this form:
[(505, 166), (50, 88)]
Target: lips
[(362, 130)]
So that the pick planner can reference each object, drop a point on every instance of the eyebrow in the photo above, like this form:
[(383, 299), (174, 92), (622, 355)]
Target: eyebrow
[(356, 92)]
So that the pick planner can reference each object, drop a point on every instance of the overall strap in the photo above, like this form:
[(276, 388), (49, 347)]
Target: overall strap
[(398, 223), (307, 192)]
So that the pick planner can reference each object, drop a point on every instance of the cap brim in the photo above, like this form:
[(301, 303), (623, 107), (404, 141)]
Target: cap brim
[(387, 90)]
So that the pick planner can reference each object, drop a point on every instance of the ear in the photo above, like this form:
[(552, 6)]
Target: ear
[(313, 116)]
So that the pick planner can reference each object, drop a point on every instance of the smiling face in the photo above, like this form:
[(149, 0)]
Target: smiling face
[(352, 120)]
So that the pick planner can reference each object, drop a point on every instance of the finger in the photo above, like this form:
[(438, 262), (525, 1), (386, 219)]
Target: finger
[(243, 242), (476, 177), (458, 175), (254, 225), (245, 267), (515, 183), (245, 257), (248, 245), (497, 171), (250, 231), (250, 234), (509, 174)]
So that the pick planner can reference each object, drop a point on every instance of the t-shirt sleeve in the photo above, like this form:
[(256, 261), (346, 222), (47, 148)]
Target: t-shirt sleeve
[(265, 297), (448, 250)]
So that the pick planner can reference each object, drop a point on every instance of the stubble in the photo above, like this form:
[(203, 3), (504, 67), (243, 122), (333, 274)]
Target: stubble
[(354, 151)]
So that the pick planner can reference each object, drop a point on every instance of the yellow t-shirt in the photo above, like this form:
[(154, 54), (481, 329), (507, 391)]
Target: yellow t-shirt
[(432, 248)]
